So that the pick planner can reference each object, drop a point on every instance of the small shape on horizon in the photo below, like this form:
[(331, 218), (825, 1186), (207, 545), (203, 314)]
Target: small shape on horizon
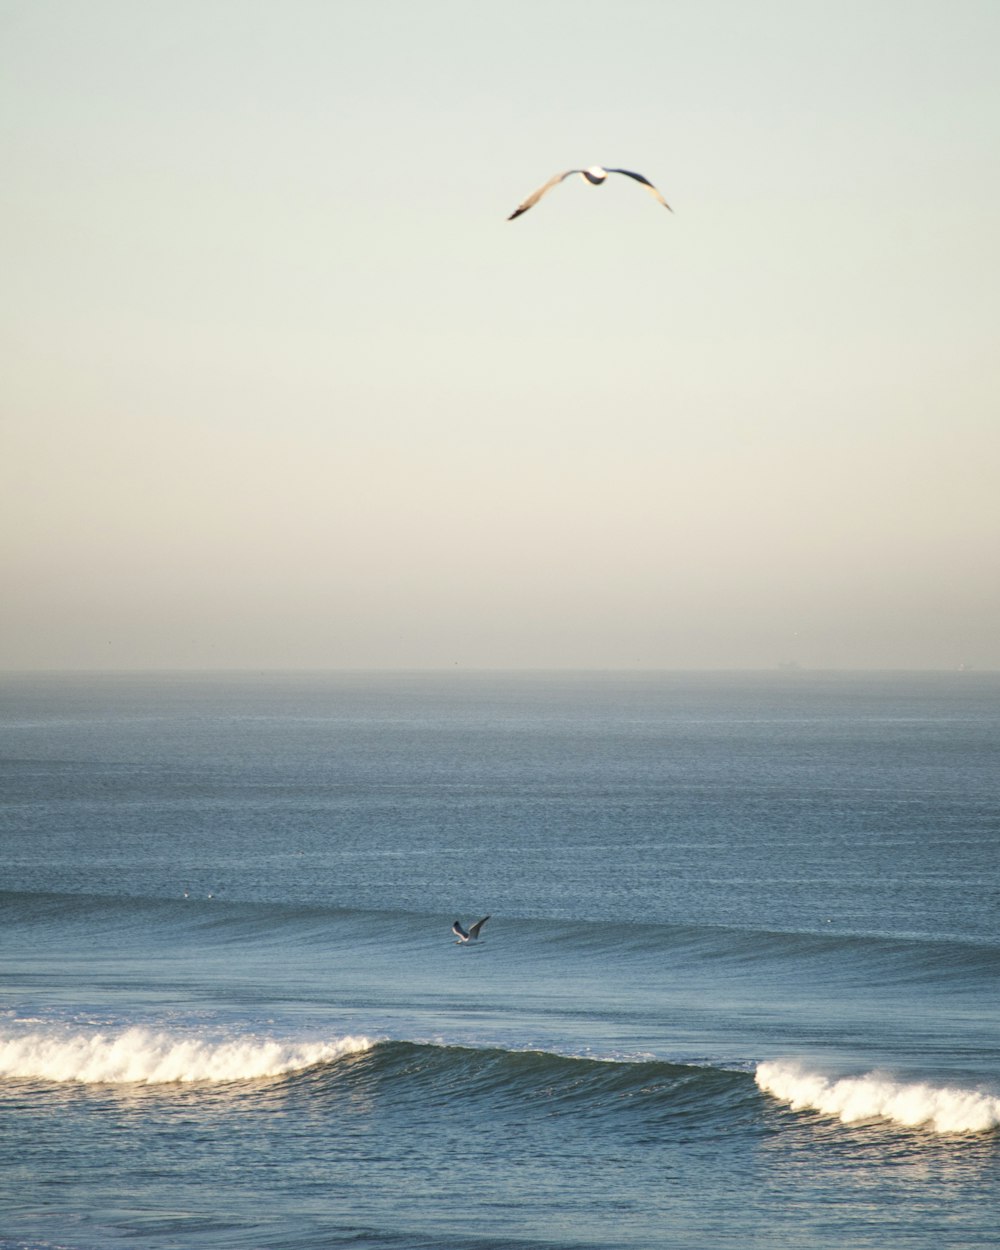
[(595, 175), (468, 935)]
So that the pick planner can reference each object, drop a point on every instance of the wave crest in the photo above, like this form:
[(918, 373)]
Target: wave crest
[(944, 1109), (146, 1057)]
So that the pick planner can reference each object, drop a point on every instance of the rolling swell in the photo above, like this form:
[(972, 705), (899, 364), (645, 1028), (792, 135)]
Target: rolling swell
[(839, 957), (486, 1079)]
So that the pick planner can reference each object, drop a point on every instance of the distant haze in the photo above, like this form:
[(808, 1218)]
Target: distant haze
[(283, 388)]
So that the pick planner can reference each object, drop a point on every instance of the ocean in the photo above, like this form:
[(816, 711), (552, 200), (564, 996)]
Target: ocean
[(738, 987)]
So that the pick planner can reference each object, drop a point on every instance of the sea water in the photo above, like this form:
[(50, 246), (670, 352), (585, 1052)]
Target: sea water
[(738, 988)]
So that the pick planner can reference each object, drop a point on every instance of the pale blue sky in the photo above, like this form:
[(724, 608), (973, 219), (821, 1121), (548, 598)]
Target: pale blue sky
[(283, 387)]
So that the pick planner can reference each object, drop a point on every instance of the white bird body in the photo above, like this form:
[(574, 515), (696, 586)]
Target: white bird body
[(595, 175), (468, 935)]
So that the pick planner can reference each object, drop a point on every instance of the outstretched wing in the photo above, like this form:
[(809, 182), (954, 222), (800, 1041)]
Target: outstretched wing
[(645, 182), (457, 929), (474, 928), (534, 197)]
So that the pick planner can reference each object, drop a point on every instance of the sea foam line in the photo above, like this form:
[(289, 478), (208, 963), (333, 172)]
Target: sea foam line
[(942, 1108), (146, 1057)]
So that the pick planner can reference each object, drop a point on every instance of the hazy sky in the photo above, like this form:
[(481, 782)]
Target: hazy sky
[(283, 388)]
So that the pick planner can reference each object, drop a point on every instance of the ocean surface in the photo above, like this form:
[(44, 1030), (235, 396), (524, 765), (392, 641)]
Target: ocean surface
[(740, 984)]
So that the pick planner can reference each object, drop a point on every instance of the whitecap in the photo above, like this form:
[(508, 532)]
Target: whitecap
[(946, 1109), (150, 1057)]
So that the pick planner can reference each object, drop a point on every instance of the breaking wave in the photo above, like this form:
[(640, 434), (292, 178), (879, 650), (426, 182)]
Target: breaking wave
[(873, 1096), (148, 1057), (145, 1056)]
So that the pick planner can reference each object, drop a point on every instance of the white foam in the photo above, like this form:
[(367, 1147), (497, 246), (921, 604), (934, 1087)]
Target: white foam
[(147, 1057), (942, 1108)]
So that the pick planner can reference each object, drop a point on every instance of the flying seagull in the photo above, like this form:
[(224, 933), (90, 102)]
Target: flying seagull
[(471, 934), (595, 175)]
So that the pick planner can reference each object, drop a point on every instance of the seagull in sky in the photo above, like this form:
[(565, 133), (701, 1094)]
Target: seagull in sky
[(468, 935), (595, 175)]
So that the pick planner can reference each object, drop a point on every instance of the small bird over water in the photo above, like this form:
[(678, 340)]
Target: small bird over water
[(595, 175), (468, 935)]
